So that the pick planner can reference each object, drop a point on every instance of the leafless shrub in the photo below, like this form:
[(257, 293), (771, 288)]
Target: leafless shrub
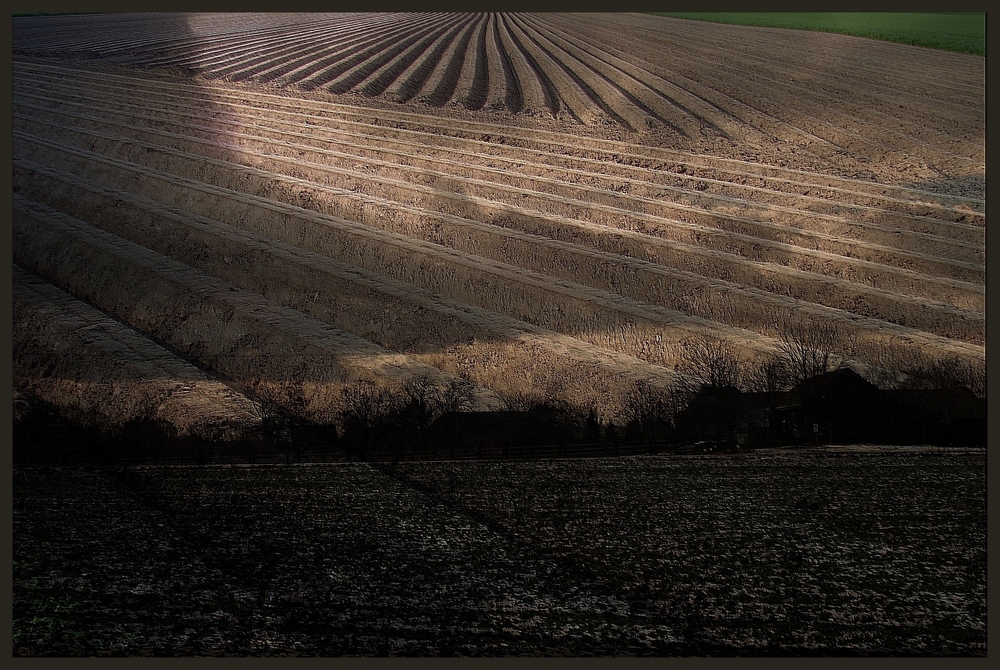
[(427, 401), (21, 406)]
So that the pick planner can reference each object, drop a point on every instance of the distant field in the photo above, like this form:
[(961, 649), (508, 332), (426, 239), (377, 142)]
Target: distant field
[(964, 32)]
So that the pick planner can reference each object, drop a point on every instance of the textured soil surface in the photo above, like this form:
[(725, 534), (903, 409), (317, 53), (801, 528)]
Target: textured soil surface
[(285, 204), (849, 554)]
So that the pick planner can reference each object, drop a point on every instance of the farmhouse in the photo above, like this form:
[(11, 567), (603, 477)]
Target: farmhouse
[(839, 407)]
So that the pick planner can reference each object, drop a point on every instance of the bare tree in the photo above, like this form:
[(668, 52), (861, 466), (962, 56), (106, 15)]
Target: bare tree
[(808, 349), (770, 375), (948, 372), (456, 396), (650, 410), (365, 405), (519, 400), (713, 362)]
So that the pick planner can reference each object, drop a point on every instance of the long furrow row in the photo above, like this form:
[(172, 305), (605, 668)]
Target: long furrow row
[(546, 191), (392, 313), (723, 300), (49, 323), (257, 343), (557, 147), (828, 233), (719, 195), (570, 317)]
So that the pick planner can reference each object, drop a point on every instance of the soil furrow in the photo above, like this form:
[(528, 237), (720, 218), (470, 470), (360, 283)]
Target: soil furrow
[(64, 330), (553, 315), (902, 237), (749, 245), (605, 149), (723, 301), (424, 325)]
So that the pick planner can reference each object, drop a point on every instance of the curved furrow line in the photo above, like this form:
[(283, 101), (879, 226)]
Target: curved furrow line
[(310, 43), (376, 58), (694, 34), (760, 122), (602, 95), (424, 325), (308, 61), (412, 80), (513, 98), (386, 74), (213, 65), (425, 138), (96, 38), (443, 83), (870, 106), (207, 51), (878, 79), (804, 93), (900, 81), (561, 87), (210, 54), (336, 31), (149, 33), (589, 208), (496, 76), (535, 100), (850, 131), (318, 72), (694, 105), (620, 85), (473, 80)]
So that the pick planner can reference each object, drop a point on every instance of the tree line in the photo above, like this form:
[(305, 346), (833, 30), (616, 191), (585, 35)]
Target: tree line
[(403, 422)]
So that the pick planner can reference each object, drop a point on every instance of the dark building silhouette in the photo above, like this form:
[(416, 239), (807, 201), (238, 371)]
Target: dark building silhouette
[(838, 407)]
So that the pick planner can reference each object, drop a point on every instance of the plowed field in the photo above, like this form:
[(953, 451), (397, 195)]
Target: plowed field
[(542, 204)]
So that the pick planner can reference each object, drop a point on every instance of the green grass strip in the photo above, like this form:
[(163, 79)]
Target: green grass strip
[(962, 32)]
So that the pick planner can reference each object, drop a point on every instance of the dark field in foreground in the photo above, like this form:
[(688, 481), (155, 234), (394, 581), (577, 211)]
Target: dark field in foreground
[(762, 554)]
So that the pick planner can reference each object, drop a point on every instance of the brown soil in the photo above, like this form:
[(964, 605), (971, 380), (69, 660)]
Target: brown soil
[(542, 204)]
